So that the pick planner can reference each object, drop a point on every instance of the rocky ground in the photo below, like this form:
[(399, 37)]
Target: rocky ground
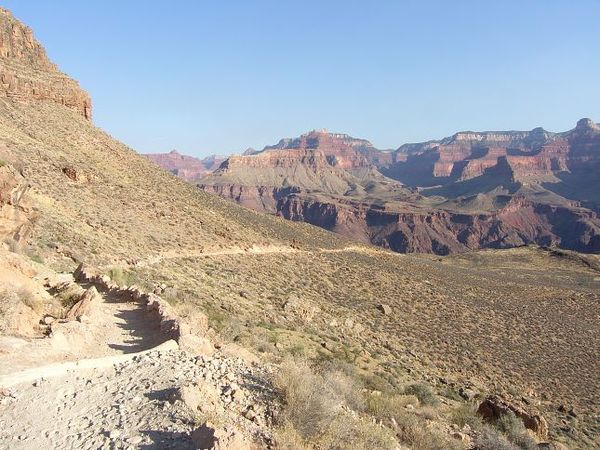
[(141, 403)]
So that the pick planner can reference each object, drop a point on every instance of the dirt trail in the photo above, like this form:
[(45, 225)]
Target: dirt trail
[(115, 327), (256, 250), (54, 395)]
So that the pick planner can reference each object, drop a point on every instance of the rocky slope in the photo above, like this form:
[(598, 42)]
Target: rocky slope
[(187, 167), (469, 191)]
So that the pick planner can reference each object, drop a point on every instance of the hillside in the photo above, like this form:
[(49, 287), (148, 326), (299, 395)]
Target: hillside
[(270, 333)]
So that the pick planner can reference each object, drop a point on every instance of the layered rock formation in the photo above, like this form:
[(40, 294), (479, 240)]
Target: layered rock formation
[(186, 167), (471, 190), (410, 230), (26, 73), (340, 149)]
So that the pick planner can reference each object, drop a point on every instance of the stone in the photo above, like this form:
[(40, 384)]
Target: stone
[(87, 302), (196, 345), (114, 434), (135, 440), (385, 309), (467, 394), (48, 320), (494, 406), (208, 436)]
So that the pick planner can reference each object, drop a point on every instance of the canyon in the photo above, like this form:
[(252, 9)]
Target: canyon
[(472, 190), (138, 311), (187, 167)]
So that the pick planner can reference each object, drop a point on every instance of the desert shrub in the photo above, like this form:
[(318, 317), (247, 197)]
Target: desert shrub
[(412, 430), (491, 439), (13, 245), (297, 350), (451, 394), (346, 387), (122, 277), (465, 414), (423, 392), (2, 163), (312, 399), (387, 406), (69, 296), (309, 405), (36, 258), (348, 431), (287, 438), (514, 429)]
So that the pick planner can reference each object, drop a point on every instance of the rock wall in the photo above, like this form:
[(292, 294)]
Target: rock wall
[(26, 73), (441, 232), (170, 325), (16, 214), (186, 167)]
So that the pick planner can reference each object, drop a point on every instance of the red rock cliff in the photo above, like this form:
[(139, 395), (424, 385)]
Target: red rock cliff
[(26, 73)]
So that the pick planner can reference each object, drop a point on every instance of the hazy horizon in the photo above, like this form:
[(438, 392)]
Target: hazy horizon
[(220, 78)]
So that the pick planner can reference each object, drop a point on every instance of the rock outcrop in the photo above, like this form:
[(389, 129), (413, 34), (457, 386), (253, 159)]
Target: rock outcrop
[(26, 73), (494, 407), (16, 213)]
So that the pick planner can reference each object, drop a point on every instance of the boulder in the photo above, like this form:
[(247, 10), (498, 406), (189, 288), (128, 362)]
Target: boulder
[(208, 436), (196, 345), (385, 309), (87, 302), (494, 406)]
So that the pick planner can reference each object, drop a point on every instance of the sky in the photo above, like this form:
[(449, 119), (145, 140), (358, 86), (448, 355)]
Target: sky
[(208, 77)]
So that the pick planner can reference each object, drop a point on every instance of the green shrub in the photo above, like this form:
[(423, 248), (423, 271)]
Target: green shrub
[(122, 277), (423, 392), (37, 258)]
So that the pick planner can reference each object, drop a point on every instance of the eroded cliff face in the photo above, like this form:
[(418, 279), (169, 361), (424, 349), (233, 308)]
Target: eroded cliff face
[(533, 155), (442, 232), (340, 150), (17, 216), (26, 73)]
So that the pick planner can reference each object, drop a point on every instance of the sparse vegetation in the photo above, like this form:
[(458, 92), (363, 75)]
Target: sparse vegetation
[(465, 414), (491, 439), (514, 430), (121, 276), (423, 392)]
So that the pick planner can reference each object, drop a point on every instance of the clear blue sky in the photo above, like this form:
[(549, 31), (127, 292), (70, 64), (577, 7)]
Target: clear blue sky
[(220, 76)]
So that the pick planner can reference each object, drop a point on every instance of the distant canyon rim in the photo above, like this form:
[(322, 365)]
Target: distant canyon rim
[(472, 190)]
